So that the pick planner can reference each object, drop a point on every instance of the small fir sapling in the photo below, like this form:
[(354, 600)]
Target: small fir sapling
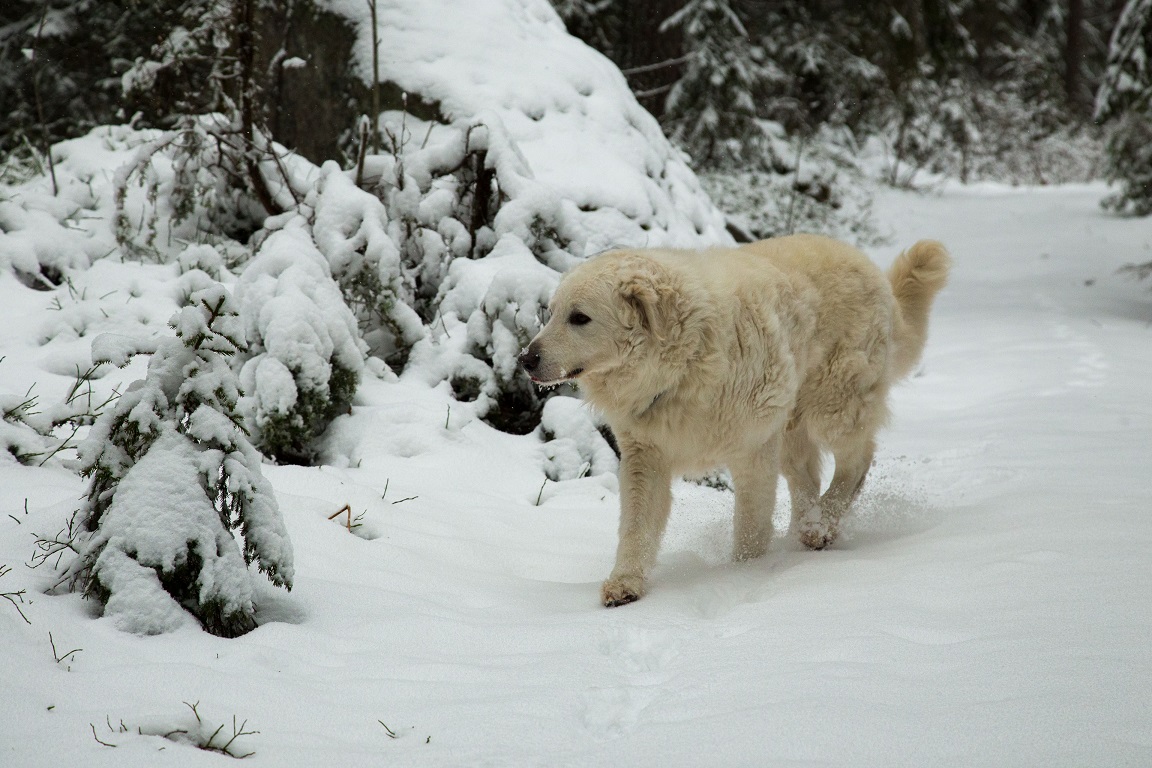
[(172, 479), (305, 355), (350, 227)]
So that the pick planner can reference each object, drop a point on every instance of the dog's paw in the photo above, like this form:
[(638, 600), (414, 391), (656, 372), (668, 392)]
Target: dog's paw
[(818, 534), (621, 590), (750, 549)]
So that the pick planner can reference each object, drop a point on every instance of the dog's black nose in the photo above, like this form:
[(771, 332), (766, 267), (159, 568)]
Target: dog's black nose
[(530, 359)]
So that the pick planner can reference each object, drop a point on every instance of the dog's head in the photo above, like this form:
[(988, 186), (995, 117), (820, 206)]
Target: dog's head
[(604, 312)]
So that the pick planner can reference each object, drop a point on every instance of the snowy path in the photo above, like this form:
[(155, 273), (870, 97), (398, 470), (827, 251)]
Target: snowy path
[(990, 604)]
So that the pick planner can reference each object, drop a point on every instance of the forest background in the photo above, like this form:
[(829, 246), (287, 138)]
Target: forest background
[(1012, 90), (257, 154)]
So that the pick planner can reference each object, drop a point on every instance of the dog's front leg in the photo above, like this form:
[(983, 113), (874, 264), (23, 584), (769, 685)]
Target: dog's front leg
[(645, 501)]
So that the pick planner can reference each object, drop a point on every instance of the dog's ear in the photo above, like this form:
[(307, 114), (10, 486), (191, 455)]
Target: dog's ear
[(646, 288)]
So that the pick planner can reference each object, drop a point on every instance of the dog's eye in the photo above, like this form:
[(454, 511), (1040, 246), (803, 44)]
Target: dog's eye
[(579, 318)]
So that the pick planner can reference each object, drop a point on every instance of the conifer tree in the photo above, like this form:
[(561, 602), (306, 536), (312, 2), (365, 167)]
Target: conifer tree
[(1125, 99), (172, 475), (712, 108)]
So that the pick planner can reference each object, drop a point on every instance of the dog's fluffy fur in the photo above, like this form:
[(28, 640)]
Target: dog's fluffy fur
[(758, 358)]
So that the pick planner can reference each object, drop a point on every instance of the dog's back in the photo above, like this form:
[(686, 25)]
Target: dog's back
[(853, 290)]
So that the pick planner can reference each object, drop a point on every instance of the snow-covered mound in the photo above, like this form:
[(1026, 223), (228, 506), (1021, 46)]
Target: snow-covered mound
[(567, 108)]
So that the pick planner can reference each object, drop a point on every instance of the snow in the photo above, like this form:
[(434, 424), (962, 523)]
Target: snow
[(575, 446), (987, 605)]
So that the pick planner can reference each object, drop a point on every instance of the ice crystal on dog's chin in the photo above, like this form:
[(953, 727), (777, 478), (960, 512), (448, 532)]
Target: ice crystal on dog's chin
[(172, 477)]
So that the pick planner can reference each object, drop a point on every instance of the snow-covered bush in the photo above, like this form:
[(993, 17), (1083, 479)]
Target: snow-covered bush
[(498, 301), (351, 229), (304, 356), (196, 183), (50, 224), (542, 157), (172, 475), (575, 443), (403, 248), (480, 241)]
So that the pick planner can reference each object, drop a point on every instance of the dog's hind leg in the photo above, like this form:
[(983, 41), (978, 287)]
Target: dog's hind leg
[(645, 501), (853, 459), (755, 477), (801, 466)]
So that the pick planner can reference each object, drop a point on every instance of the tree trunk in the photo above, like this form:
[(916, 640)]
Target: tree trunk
[(1073, 59), (245, 44), (643, 44)]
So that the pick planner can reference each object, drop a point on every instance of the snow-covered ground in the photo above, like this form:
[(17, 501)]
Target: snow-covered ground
[(989, 604)]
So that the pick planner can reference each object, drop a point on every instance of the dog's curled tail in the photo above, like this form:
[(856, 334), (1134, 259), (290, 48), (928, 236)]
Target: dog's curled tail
[(916, 277)]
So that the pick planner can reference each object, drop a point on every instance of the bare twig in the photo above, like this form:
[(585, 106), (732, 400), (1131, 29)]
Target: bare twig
[(193, 707), (654, 91), (16, 598), (61, 657), (659, 65), (346, 508), (93, 726), (64, 540), (62, 445), (226, 747)]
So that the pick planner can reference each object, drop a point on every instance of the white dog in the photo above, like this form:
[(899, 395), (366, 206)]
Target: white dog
[(757, 359)]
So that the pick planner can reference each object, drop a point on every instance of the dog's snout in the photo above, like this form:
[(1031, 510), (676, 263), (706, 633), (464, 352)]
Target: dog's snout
[(530, 359)]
